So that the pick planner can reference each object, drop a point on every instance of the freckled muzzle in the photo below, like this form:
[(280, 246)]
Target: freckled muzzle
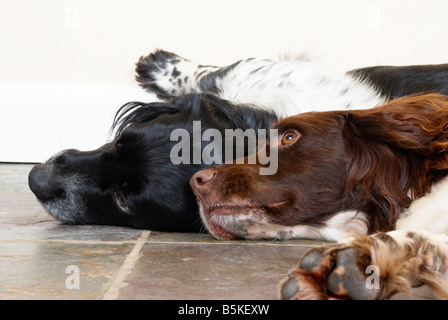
[(224, 184), (228, 207), (215, 214)]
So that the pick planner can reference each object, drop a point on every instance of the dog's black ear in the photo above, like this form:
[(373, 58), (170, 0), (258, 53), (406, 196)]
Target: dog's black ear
[(197, 107), (138, 112), (242, 116)]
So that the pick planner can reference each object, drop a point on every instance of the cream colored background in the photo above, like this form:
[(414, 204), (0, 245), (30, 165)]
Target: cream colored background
[(67, 65)]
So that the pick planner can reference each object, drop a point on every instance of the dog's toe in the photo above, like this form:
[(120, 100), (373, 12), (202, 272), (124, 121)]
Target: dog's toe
[(348, 280), (290, 289), (312, 260)]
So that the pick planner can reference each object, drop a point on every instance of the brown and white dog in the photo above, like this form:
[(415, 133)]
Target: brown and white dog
[(344, 175)]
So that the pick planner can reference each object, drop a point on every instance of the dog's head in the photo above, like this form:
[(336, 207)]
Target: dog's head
[(132, 181), (338, 173)]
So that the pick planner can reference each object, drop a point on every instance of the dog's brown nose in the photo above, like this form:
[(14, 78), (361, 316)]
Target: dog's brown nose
[(201, 178)]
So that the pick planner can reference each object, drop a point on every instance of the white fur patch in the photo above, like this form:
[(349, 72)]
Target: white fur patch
[(429, 212), (338, 227), (187, 73), (292, 87), (288, 87)]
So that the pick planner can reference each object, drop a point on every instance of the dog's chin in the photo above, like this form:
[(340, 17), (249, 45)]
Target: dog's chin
[(218, 231), (64, 211), (233, 221), (215, 228), (58, 214)]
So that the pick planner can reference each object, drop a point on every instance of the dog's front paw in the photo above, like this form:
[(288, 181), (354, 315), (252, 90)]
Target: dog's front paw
[(370, 267), (169, 75), (158, 72), (330, 273)]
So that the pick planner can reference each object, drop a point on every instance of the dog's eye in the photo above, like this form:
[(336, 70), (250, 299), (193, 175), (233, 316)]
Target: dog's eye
[(121, 203), (289, 137)]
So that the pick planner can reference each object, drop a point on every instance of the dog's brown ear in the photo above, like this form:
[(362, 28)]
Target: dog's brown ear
[(396, 148), (414, 123), (417, 123)]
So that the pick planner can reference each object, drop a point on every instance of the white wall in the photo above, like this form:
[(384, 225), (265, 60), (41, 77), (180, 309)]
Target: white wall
[(67, 65)]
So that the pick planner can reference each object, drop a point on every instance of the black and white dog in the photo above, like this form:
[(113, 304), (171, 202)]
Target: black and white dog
[(132, 181)]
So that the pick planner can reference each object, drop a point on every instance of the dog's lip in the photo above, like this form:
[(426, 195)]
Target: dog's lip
[(219, 232), (215, 228), (219, 209), (217, 206)]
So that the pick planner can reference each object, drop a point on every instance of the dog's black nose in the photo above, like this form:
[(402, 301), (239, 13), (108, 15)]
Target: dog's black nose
[(39, 181)]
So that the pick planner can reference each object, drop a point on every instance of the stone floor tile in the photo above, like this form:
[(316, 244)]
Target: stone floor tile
[(167, 237), (23, 218), (14, 177), (209, 271), (38, 270)]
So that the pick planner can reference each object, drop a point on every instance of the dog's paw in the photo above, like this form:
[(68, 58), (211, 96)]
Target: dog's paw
[(370, 267), (158, 72), (325, 273), (169, 75)]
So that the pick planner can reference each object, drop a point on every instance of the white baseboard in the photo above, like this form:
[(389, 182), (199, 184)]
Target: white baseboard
[(39, 119)]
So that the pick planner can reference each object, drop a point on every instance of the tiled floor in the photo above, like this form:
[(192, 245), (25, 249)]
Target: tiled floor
[(43, 259)]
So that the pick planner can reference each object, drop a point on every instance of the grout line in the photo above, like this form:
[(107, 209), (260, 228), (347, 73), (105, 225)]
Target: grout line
[(279, 244), (126, 268), (173, 241), (115, 242)]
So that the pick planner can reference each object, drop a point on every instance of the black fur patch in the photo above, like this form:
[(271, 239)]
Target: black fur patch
[(392, 82)]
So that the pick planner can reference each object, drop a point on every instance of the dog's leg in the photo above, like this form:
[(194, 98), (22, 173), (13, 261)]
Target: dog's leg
[(371, 267), (169, 75), (287, 86)]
